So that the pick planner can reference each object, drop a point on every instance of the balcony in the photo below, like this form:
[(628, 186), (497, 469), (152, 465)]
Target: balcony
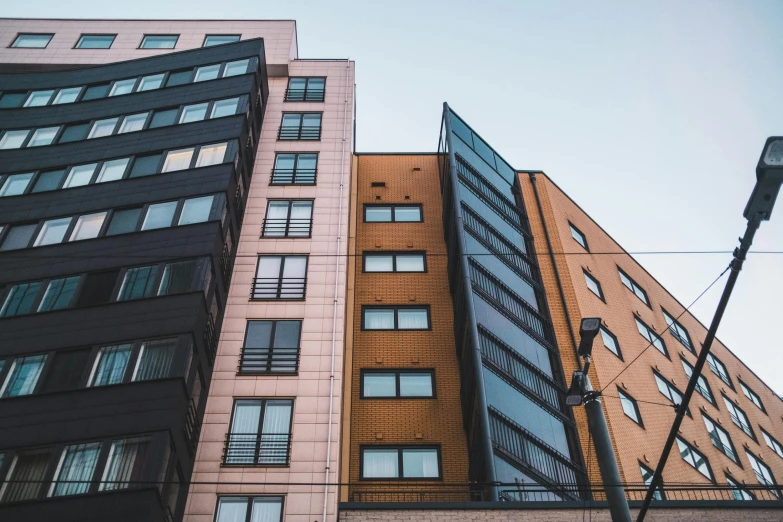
[(286, 288), (269, 361), (311, 95), (294, 176), (299, 133), (254, 449), (291, 227)]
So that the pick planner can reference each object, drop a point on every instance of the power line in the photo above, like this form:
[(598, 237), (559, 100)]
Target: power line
[(667, 404)]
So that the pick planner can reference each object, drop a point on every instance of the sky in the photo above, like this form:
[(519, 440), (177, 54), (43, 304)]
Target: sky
[(651, 115)]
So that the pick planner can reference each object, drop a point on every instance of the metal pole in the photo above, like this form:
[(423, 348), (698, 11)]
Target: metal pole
[(736, 265)]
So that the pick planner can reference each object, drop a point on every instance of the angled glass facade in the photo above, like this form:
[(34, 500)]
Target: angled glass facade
[(513, 395)]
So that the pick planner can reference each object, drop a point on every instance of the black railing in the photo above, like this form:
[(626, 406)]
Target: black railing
[(210, 338), (225, 263), (282, 227), (313, 95), (269, 360), (279, 288), (523, 371), (299, 133), (527, 316), (294, 176), (192, 427), (254, 449), (240, 205)]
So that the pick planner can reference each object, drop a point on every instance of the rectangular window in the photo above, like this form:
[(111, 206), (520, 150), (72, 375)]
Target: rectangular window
[(633, 287), (32, 40), (102, 128), (693, 457), (593, 284), (59, 294), (23, 376), (223, 108), (772, 443), (25, 478), (138, 283), (394, 262), (630, 407), (79, 175), (271, 347), (195, 112), (762, 471), (737, 491), (392, 213), (75, 469), (305, 89), (396, 318), (196, 210), (95, 41), (13, 139), (260, 432), (669, 391), (155, 360), (647, 476), (295, 169), (400, 463), (178, 277), (88, 227), (19, 299), (133, 123), (235, 68), (702, 386), (719, 369), (43, 137), (52, 232), (739, 418), (68, 95), (280, 277), (11, 100), (678, 331), (211, 155), (121, 87), (110, 365), (610, 342), (159, 41), (206, 72), (651, 337), (159, 215), (18, 236), (124, 221), (254, 509), (578, 236), (16, 184), (126, 464), (150, 83), (220, 39), (49, 180), (38, 98), (288, 219), (720, 438), (752, 396), (300, 126), (177, 160), (112, 170), (164, 118), (413, 384)]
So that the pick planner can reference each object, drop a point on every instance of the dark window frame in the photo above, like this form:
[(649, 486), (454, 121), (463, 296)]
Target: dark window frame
[(660, 490), (654, 334), (320, 95), (81, 37), (727, 378), (765, 435), (695, 451), (638, 421), (400, 468), (676, 334), (393, 254), (608, 332), (747, 391), (288, 224), (760, 462), (296, 170), (392, 206), (634, 287), (600, 294), (300, 128), (144, 39), (206, 37), (711, 399), (671, 387), (255, 464), (249, 504), (735, 419), (397, 372), (721, 448), (738, 485), (271, 349), (16, 37), (575, 230), (281, 279), (395, 308)]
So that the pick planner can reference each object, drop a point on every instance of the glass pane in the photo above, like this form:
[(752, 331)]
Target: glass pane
[(36, 41), (133, 123), (379, 319), (211, 155), (236, 68), (292, 120), (11, 100), (258, 334), (415, 385), (16, 184), (43, 137), (122, 87), (179, 78), (177, 160), (628, 407), (124, 221), (380, 385), (193, 113), (231, 509), (412, 319), (196, 210), (145, 166), (159, 42), (110, 365), (75, 470), (315, 85), (266, 509), (410, 263), (48, 181), (138, 283), (177, 277), (53, 231), (378, 263), (155, 360), (23, 376), (380, 463), (208, 72), (149, 83), (217, 39), (67, 95), (267, 277), (112, 170), (159, 215), (164, 118), (59, 294), (79, 175), (18, 237), (287, 334), (73, 133), (13, 139), (38, 98), (294, 267), (102, 128), (94, 92), (285, 162), (126, 463), (407, 214), (420, 463), (95, 41), (224, 108), (20, 299), (301, 215), (377, 214), (311, 120), (609, 342), (88, 226), (306, 161), (25, 481)]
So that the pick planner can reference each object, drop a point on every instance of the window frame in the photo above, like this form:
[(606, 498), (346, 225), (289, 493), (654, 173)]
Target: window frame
[(753, 458), (736, 485), (652, 333), (731, 406), (725, 378), (670, 387), (272, 336), (772, 442), (13, 45), (619, 353), (249, 504), (317, 99), (634, 287), (589, 276), (280, 279), (295, 171), (397, 383), (393, 254), (392, 207), (400, 448), (638, 421), (711, 398), (749, 394), (719, 428), (659, 491), (396, 308), (144, 40), (299, 128), (674, 326), (207, 36), (81, 38), (575, 231), (288, 225), (257, 452), (695, 451)]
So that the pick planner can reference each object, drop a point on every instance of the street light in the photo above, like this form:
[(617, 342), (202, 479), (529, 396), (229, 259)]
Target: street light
[(769, 175)]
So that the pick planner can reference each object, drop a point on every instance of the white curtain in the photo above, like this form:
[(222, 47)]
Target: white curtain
[(380, 464), (379, 319), (420, 463), (155, 360), (244, 430), (276, 218), (412, 319), (275, 433), (232, 509), (266, 509), (301, 212), (76, 469), (126, 463), (111, 365), (410, 263), (211, 155)]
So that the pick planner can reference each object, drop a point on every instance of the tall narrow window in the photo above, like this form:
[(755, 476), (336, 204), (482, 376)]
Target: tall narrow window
[(701, 383), (630, 408), (288, 218), (25, 478), (155, 359), (295, 169), (610, 342), (762, 471), (75, 469), (647, 475), (669, 390), (678, 331), (651, 337), (305, 89), (271, 347), (719, 369), (260, 432), (720, 438), (693, 457), (739, 418), (400, 463), (300, 126), (23, 376), (633, 287), (578, 236), (772, 443), (110, 365), (126, 464), (138, 282), (752, 396), (593, 284), (280, 277), (19, 299), (59, 294)]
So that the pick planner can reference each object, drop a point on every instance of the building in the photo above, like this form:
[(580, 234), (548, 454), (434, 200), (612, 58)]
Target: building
[(171, 203)]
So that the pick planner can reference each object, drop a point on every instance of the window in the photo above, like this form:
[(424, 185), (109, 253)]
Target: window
[(396, 318), (112, 170), (98, 287), (32, 41), (122, 87), (192, 113), (75, 469), (300, 126), (271, 347), (95, 41), (124, 221), (280, 277), (52, 232), (59, 294), (219, 39), (633, 287), (719, 369), (630, 407), (110, 365), (93, 92), (16, 184), (720, 438), (737, 491), (261, 509), (651, 336), (102, 128), (26, 475), (753, 396), (593, 284), (394, 262), (260, 432), (196, 210), (206, 72), (400, 463), (235, 68), (150, 83), (155, 360), (145, 165), (288, 219), (18, 236), (693, 457), (133, 123), (22, 376), (610, 342), (772, 443), (43, 137), (177, 160), (762, 471), (164, 118), (69, 95), (159, 41), (13, 139), (295, 169), (678, 331), (126, 463), (159, 215), (739, 418), (88, 226), (669, 391), (138, 283), (49, 180), (398, 384), (75, 132), (79, 175), (38, 98), (20, 299), (211, 155), (647, 476), (578, 236), (701, 383), (10, 100), (305, 89), (392, 213), (223, 108)]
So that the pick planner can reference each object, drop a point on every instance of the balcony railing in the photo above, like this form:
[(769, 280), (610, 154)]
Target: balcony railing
[(269, 360), (254, 449), (225, 264), (240, 205), (192, 427), (293, 227), (313, 95), (210, 338), (279, 288), (294, 176), (299, 133)]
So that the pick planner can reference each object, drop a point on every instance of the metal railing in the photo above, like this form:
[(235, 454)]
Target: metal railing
[(240, 205), (279, 288), (299, 133), (269, 360), (313, 95), (257, 449), (225, 264), (192, 426), (210, 338), (294, 176), (282, 227)]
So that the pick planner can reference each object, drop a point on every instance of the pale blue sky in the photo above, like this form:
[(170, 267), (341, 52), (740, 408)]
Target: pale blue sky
[(650, 114)]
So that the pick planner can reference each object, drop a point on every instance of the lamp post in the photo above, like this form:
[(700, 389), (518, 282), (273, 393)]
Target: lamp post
[(769, 176), (581, 391)]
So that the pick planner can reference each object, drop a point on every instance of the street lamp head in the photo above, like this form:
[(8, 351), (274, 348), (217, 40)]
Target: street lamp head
[(769, 176), (588, 329), (576, 390)]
